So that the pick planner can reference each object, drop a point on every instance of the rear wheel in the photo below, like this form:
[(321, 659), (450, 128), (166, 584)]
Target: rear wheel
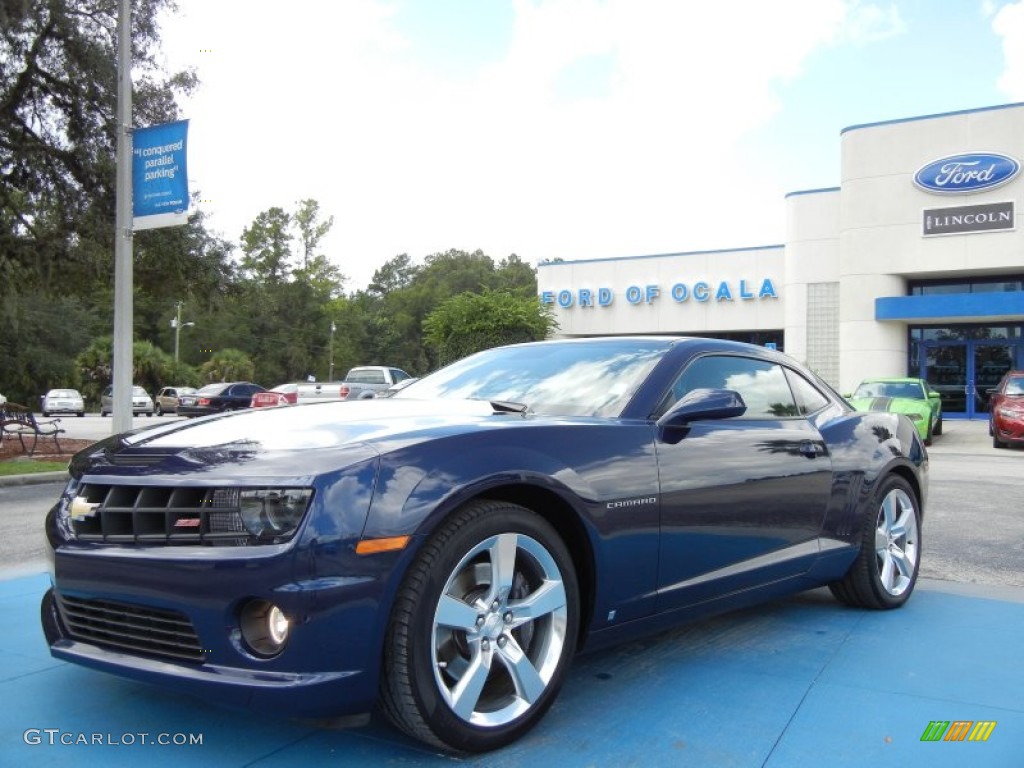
[(938, 426), (482, 631), (885, 572)]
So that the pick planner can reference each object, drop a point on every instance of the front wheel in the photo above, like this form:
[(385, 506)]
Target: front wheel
[(885, 572), (938, 426), (482, 631)]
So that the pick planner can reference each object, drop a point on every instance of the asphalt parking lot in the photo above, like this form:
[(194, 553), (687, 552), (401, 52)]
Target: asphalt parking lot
[(800, 682)]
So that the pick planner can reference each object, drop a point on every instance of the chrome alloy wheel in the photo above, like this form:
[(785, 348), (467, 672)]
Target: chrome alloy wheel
[(499, 630), (896, 542)]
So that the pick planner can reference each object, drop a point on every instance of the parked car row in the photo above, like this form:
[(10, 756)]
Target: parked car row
[(910, 396), (1006, 411)]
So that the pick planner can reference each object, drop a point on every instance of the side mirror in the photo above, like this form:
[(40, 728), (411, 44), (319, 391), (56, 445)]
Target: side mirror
[(699, 405), (936, 396)]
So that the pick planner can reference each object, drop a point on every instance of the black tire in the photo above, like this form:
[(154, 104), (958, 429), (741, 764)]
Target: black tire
[(884, 579), (938, 426), (928, 435), (46, 414), (425, 656), (996, 442), (81, 414)]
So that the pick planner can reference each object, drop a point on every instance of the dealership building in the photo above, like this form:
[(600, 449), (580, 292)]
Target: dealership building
[(913, 265)]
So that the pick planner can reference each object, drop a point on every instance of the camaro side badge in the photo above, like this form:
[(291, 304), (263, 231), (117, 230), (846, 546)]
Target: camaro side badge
[(81, 509), (632, 502)]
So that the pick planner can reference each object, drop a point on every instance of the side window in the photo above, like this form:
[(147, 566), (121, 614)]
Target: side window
[(761, 384), (808, 398)]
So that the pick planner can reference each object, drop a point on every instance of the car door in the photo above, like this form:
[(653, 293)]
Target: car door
[(742, 499)]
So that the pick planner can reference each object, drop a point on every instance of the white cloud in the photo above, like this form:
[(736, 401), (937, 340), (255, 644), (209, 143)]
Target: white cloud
[(1008, 23), (605, 128)]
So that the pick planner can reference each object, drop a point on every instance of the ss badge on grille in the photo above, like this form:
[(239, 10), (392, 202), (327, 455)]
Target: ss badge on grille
[(81, 509)]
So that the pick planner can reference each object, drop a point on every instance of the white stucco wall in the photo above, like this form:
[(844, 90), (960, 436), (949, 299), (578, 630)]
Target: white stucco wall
[(741, 270), (881, 243)]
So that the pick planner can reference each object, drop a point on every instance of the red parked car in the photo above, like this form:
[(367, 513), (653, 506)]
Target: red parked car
[(1006, 411), (284, 394)]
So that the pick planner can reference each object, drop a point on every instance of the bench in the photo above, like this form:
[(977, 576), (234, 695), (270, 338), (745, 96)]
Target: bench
[(19, 421)]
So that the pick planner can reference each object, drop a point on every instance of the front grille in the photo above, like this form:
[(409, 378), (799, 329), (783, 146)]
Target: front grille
[(135, 629), (148, 515)]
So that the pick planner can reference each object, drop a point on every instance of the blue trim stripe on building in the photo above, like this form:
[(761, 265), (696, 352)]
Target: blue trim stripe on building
[(661, 255), (812, 191), (951, 306), (932, 117)]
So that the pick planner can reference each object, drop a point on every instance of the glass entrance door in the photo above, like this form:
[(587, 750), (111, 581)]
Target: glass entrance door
[(944, 366), (963, 372)]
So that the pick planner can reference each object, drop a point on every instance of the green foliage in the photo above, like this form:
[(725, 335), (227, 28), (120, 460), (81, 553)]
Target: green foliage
[(152, 368), (470, 322), (40, 338), (227, 365)]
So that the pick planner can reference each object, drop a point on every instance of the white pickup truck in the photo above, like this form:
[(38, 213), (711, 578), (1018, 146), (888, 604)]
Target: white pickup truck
[(361, 383)]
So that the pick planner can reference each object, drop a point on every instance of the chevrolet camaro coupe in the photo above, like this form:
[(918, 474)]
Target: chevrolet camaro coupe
[(444, 553), (913, 397)]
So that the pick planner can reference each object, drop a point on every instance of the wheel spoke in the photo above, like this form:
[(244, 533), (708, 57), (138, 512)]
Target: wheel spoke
[(466, 693), (547, 599), (452, 612), (903, 563), (888, 573), (528, 682), (503, 565)]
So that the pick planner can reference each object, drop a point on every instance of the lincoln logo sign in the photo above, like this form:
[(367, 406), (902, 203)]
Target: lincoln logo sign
[(700, 291), (972, 172)]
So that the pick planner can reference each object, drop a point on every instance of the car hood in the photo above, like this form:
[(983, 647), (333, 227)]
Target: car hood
[(291, 441), (891, 404)]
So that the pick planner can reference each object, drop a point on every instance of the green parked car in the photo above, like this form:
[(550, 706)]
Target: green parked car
[(914, 397)]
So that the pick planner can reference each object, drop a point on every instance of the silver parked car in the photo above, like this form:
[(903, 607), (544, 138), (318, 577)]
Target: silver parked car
[(141, 402), (166, 399), (62, 401)]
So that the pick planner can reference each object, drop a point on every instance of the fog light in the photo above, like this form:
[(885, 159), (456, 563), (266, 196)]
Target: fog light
[(265, 628)]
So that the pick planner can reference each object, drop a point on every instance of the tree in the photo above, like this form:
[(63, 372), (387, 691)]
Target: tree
[(471, 322), (58, 95), (266, 245), (228, 365)]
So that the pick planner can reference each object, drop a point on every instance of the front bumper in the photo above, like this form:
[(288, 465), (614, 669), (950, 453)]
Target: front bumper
[(329, 666)]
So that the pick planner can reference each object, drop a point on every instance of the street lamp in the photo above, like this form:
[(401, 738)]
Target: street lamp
[(330, 372), (176, 324)]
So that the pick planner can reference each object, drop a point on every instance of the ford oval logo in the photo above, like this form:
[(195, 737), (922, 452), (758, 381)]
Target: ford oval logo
[(971, 172)]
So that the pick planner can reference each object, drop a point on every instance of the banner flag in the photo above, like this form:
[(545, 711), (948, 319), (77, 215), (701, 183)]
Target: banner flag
[(160, 175)]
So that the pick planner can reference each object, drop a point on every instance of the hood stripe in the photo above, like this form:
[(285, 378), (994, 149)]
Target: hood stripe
[(880, 404)]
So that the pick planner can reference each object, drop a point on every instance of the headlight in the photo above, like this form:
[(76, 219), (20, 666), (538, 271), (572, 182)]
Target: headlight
[(1009, 413), (272, 513), (917, 416)]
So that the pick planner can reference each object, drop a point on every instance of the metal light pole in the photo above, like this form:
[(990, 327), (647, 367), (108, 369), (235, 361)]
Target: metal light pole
[(123, 319), (176, 324), (330, 372)]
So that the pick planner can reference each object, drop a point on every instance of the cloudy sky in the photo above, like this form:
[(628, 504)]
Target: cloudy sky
[(560, 128)]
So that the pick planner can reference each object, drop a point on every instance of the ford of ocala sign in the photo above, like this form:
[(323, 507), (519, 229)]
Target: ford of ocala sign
[(636, 295), (971, 172)]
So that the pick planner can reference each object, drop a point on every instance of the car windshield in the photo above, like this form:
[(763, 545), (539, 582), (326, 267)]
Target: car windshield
[(63, 393), (212, 389), (566, 378), (138, 392), (1015, 386), (906, 389)]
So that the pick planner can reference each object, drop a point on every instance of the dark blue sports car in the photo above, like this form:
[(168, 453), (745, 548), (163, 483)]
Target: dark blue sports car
[(446, 552)]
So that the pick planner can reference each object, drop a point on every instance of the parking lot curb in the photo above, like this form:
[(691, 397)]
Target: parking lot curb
[(34, 478)]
